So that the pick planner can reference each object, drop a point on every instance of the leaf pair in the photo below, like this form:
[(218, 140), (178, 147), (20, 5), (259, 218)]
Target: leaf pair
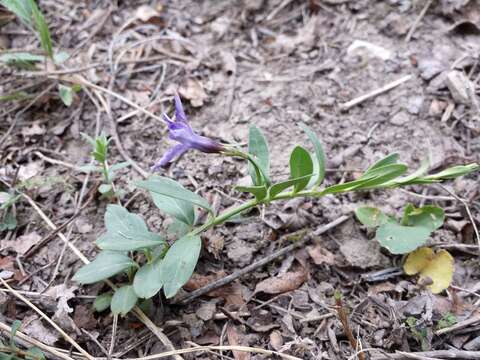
[(302, 166), (412, 232), (380, 173)]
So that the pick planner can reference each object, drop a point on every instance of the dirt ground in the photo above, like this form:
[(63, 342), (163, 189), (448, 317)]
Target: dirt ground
[(271, 63)]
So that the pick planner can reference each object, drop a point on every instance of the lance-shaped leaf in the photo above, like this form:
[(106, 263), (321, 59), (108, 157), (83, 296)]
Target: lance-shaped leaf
[(173, 190), (300, 165), (105, 265), (260, 192), (178, 264), (319, 154), (277, 188), (258, 149)]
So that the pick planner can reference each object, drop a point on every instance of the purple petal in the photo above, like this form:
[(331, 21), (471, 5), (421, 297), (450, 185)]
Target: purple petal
[(179, 113), (171, 155)]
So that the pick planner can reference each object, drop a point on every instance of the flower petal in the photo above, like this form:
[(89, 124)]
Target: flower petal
[(171, 155), (179, 112)]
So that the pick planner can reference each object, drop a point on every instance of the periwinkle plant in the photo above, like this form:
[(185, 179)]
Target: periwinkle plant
[(169, 267)]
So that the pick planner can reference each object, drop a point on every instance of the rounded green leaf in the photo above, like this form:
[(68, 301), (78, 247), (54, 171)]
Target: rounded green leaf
[(123, 300), (371, 217), (430, 217), (102, 302), (399, 239)]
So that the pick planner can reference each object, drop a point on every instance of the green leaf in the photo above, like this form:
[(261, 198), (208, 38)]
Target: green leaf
[(123, 300), (375, 178), (20, 8), (105, 188), (383, 175), (34, 353), (371, 217), (387, 160), (277, 188), (258, 191), (319, 153), (258, 149), (147, 281), (105, 265), (300, 165), (16, 95), (178, 264), (9, 222), (115, 167), (178, 228), (21, 60), (430, 217), (181, 210), (454, 172), (42, 29), (422, 170), (173, 190), (399, 239), (126, 231), (66, 94), (14, 328), (102, 302)]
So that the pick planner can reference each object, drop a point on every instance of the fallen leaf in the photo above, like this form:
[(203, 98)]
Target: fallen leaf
[(193, 90), (62, 294), (276, 340), (234, 340), (320, 255), (206, 311), (283, 283), (438, 267), (35, 328), (21, 244), (83, 317), (146, 13), (232, 293)]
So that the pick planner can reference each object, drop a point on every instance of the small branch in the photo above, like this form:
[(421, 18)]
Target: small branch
[(228, 279), (27, 340), (374, 93), (417, 21), (342, 315)]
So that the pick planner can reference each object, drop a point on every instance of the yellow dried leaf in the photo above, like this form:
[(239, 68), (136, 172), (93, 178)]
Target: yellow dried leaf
[(438, 267), (418, 260)]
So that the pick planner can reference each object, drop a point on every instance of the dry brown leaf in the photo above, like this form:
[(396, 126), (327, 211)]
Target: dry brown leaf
[(320, 255), (276, 340), (146, 13), (234, 340), (21, 244), (193, 90), (283, 283), (232, 293), (35, 328)]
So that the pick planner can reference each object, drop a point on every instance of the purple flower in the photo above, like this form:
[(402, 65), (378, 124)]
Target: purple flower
[(180, 130)]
